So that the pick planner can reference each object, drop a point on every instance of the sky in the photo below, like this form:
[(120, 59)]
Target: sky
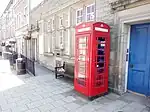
[(3, 5)]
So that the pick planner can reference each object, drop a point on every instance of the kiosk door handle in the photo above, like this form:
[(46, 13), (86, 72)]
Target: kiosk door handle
[(131, 65)]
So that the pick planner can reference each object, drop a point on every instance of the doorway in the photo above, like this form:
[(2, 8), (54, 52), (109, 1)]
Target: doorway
[(139, 59)]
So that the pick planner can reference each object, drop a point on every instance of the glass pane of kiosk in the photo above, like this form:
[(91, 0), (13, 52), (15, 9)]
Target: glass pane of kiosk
[(82, 46), (100, 62)]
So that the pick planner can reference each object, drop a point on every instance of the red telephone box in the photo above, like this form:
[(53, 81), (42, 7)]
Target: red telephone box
[(92, 50)]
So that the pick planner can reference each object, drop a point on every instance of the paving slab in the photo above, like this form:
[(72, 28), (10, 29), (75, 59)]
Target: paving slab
[(133, 107), (59, 109), (33, 110), (71, 106), (46, 107)]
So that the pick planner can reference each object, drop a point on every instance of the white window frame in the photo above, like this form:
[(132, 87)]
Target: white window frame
[(18, 21), (91, 13), (81, 16), (61, 37), (53, 41), (46, 44), (49, 43), (49, 25), (66, 21), (53, 23), (60, 21), (25, 14), (15, 22), (67, 47), (8, 15), (26, 11)]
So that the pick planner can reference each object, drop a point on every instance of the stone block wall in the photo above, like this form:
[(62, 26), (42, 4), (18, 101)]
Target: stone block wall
[(104, 13)]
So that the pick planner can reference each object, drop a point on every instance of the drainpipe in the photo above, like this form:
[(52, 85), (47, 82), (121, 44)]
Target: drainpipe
[(29, 9), (95, 11), (28, 26)]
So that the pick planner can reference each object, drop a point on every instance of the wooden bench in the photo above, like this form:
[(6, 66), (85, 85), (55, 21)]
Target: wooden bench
[(62, 71)]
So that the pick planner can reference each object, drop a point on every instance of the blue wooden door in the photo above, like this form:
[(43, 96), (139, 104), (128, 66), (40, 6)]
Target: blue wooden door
[(139, 59)]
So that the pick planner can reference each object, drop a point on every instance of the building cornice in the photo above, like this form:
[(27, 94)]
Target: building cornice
[(7, 7), (39, 5), (121, 3)]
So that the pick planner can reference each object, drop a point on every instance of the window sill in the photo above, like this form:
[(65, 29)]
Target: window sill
[(22, 26), (72, 58), (66, 56), (48, 54)]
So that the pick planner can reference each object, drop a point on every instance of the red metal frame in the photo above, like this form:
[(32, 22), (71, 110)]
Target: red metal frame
[(91, 72)]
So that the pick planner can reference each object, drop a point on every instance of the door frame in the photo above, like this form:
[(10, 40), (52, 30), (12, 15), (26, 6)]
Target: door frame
[(123, 20), (127, 27)]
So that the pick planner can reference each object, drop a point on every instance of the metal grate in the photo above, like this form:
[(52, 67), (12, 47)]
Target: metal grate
[(30, 65)]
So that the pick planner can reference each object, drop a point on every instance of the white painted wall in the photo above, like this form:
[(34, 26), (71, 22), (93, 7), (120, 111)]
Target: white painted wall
[(35, 3)]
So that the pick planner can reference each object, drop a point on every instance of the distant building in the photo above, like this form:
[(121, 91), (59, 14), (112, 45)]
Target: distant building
[(7, 29)]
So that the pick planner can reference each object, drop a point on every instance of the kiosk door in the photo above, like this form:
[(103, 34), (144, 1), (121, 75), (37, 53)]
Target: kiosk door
[(99, 63), (82, 60)]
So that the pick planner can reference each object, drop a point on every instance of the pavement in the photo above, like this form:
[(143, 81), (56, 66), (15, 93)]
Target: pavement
[(44, 93), (41, 70)]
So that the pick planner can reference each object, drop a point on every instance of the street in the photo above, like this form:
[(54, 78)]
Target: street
[(44, 93)]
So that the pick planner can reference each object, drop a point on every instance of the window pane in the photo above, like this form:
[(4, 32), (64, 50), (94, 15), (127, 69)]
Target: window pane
[(100, 70), (82, 67), (82, 46), (61, 21), (78, 20), (78, 13), (82, 40), (82, 58), (88, 17), (81, 19), (82, 52), (100, 52), (88, 9), (93, 8), (101, 46), (81, 13), (61, 33), (101, 39), (92, 16), (100, 59)]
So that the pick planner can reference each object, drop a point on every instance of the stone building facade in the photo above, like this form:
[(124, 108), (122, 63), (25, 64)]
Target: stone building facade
[(24, 28), (56, 37), (14, 21), (57, 21), (7, 27), (21, 10), (129, 14)]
